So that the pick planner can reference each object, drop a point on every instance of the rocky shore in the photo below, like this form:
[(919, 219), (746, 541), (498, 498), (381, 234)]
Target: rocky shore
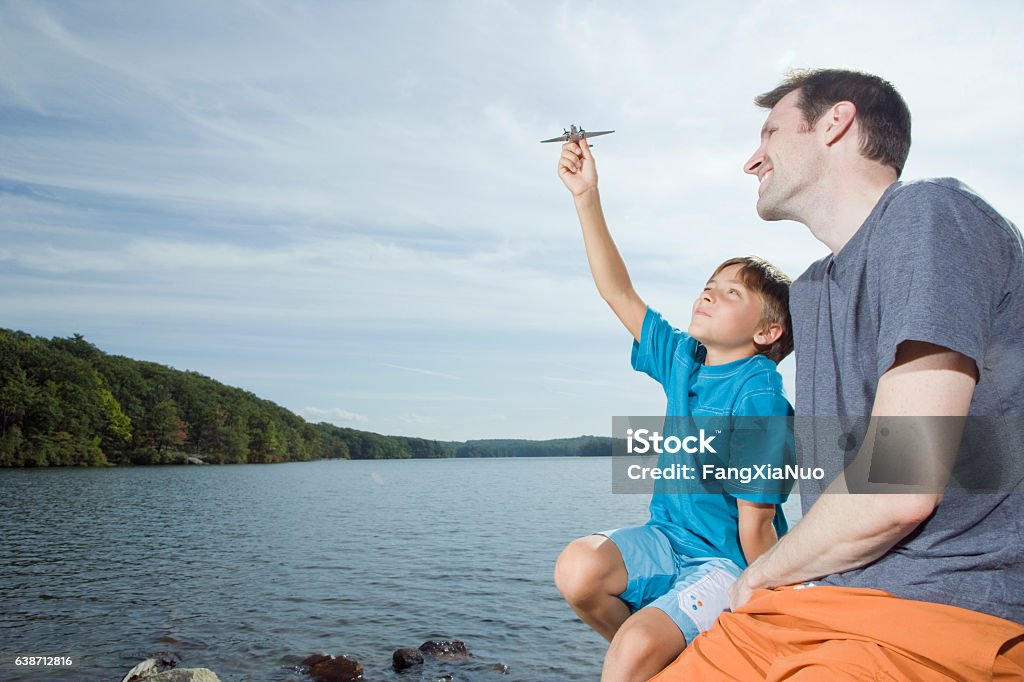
[(440, 660)]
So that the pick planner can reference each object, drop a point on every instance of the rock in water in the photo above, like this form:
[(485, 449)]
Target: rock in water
[(185, 675), (406, 658), (317, 658), (150, 667), (336, 669), (145, 669), (446, 649)]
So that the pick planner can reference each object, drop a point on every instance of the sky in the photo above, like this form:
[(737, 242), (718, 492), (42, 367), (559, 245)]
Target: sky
[(343, 206)]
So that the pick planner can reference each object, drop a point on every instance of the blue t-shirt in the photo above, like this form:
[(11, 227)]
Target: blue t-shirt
[(701, 518)]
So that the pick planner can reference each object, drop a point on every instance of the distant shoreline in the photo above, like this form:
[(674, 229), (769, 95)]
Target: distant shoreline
[(165, 465), (66, 403)]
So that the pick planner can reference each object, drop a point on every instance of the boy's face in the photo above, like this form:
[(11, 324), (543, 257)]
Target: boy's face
[(727, 314)]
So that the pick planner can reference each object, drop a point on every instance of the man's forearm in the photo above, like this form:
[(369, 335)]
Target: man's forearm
[(845, 531), (841, 532)]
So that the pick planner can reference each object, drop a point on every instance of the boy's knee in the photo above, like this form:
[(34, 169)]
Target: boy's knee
[(634, 641), (638, 641), (581, 572)]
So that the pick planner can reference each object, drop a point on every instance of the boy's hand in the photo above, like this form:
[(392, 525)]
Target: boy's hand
[(577, 168)]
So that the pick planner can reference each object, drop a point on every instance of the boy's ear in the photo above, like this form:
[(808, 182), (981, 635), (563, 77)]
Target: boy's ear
[(768, 335)]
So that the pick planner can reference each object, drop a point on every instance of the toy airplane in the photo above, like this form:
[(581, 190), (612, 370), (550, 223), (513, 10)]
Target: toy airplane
[(574, 134)]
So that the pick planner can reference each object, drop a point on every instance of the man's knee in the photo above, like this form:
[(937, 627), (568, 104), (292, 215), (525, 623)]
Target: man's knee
[(587, 567)]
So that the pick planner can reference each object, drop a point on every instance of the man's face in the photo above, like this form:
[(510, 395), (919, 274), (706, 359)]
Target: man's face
[(787, 163), (727, 314)]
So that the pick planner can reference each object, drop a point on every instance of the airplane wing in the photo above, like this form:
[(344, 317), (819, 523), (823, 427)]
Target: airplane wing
[(567, 136)]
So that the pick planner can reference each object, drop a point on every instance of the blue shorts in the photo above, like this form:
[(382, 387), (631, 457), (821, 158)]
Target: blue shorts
[(691, 590)]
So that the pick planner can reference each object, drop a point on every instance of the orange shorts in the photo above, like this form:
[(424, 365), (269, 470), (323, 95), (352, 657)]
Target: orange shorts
[(836, 633)]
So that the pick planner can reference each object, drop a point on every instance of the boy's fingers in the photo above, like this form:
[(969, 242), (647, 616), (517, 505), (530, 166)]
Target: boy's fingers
[(571, 156), (572, 160), (585, 150)]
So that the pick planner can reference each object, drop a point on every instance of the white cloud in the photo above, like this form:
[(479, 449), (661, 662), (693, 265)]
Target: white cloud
[(338, 179), (414, 419), (427, 372), (335, 415)]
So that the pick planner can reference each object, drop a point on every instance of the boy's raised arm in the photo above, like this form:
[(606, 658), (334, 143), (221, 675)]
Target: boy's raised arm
[(578, 171)]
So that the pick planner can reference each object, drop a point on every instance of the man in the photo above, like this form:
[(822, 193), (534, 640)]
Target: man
[(918, 311)]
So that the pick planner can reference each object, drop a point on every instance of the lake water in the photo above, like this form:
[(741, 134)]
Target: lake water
[(249, 569)]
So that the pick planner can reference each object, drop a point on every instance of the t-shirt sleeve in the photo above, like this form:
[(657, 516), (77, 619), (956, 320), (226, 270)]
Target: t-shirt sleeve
[(761, 439), (942, 271), (659, 340)]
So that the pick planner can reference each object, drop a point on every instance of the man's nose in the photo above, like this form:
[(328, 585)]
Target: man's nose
[(754, 162)]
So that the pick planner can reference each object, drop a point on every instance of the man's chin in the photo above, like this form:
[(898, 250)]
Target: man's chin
[(766, 210)]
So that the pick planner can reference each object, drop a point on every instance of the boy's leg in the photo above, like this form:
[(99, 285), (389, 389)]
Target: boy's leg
[(591, 574), (647, 642), (642, 648)]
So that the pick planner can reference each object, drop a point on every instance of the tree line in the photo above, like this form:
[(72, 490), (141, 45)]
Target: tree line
[(582, 446), (64, 402)]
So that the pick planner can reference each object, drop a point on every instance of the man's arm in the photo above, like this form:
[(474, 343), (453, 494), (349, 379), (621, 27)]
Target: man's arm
[(757, 532), (578, 171), (842, 532)]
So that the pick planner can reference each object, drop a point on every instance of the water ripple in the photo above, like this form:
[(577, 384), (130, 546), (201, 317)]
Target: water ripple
[(248, 569)]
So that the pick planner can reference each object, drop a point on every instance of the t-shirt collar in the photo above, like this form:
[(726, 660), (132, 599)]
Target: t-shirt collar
[(836, 261), (724, 369)]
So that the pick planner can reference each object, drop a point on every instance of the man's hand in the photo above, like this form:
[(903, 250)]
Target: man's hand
[(739, 593), (577, 169)]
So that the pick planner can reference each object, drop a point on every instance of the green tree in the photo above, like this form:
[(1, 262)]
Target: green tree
[(163, 432)]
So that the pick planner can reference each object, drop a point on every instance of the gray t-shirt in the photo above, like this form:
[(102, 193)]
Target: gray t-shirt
[(933, 263)]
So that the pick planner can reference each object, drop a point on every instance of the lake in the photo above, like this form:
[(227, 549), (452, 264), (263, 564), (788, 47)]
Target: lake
[(248, 569)]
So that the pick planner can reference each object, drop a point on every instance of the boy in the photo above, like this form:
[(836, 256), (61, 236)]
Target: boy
[(651, 589)]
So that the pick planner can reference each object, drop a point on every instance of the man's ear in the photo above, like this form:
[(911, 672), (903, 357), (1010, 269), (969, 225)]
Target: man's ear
[(837, 121), (768, 335)]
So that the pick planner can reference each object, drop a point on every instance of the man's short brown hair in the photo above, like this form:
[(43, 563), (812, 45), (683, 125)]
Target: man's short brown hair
[(881, 112), (772, 285)]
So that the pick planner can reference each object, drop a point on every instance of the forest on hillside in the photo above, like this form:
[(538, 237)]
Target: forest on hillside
[(64, 402)]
